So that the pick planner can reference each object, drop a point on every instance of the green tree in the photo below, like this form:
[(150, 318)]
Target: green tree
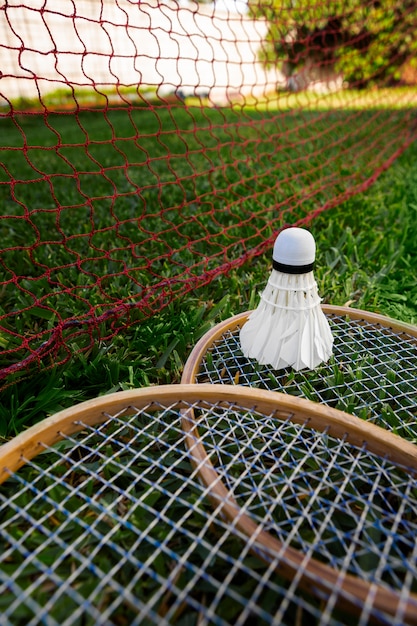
[(368, 41)]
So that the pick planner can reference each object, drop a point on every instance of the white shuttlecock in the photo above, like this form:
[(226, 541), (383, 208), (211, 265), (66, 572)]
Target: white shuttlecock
[(289, 328)]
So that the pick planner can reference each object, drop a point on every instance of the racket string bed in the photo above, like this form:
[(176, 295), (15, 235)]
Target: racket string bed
[(116, 524), (102, 512), (76, 502), (241, 459), (372, 372), (305, 482), (108, 512)]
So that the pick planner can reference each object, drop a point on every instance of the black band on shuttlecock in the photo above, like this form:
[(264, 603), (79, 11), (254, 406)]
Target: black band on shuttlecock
[(292, 269)]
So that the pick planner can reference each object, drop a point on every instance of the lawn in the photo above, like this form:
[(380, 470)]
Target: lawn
[(96, 217), (105, 209)]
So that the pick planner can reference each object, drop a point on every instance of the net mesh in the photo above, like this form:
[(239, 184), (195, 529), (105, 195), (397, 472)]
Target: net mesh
[(112, 525), (147, 148)]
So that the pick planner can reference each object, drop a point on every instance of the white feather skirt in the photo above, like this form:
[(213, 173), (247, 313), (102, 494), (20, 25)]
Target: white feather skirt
[(289, 328)]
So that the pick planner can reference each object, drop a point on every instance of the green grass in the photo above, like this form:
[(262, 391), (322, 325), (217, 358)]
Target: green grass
[(366, 246), (399, 98)]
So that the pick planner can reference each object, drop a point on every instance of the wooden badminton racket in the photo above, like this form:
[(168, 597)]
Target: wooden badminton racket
[(371, 374), (289, 512)]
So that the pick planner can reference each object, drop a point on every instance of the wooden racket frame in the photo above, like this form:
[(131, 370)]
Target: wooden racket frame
[(316, 576), (192, 369), (192, 366)]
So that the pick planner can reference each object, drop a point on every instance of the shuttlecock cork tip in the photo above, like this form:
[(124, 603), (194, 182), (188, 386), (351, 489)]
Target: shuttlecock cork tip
[(294, 251)]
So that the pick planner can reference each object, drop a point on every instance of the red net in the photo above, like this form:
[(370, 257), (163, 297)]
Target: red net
[(147, 147)]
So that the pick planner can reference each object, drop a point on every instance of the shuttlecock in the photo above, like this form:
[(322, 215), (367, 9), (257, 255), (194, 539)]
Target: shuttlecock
[(289, 328)]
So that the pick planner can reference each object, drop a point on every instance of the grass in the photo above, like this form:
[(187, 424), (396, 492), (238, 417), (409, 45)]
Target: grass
[(352, 99), (217, 191), (366, 246), (72, 99)]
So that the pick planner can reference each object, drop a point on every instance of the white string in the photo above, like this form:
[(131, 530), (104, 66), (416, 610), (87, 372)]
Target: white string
[(372, 373), (288, 478)]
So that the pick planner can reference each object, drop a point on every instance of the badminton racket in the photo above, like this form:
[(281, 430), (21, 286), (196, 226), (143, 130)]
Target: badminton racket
[(371, 374), (289, 513)]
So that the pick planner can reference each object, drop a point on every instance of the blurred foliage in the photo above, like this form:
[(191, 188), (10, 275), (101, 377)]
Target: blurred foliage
[(368, 42)]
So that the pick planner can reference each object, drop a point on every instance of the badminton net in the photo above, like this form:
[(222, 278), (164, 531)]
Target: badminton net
[(147, 149)]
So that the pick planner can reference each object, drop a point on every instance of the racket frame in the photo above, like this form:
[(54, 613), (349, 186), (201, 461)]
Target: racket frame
[(190, 376), (289, 561)]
